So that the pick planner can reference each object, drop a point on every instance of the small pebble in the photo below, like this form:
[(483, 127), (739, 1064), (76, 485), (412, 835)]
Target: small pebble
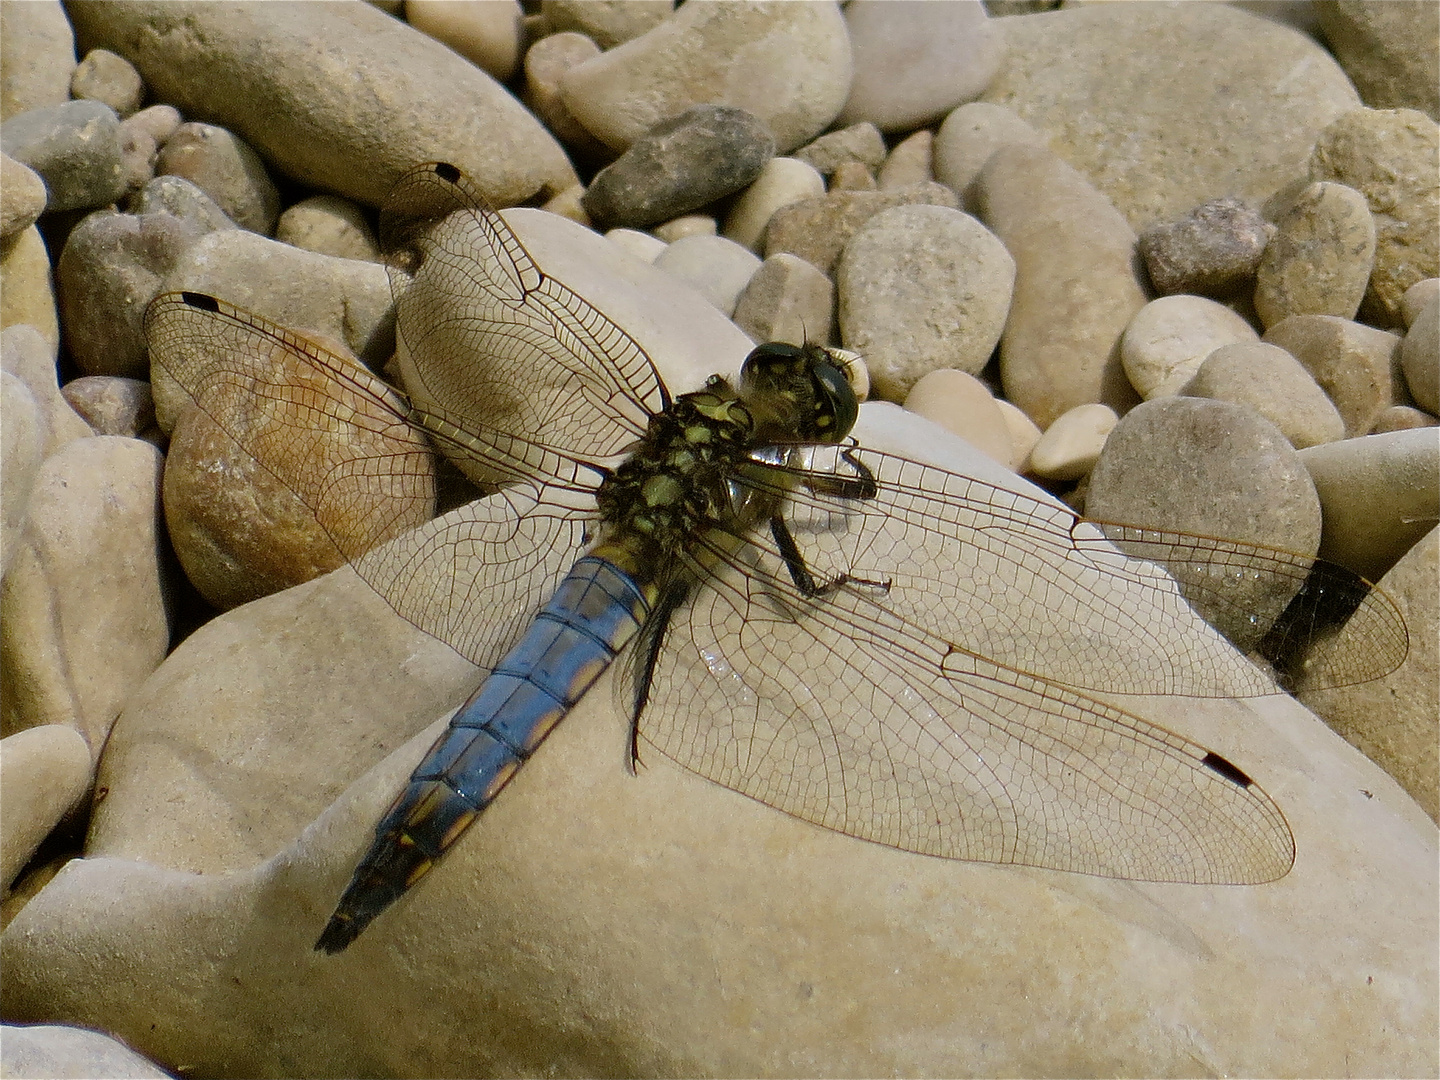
[(488, 34), (685, 225), (1320, 257), (329, 225), (787, 299), (1213, 469), (1353, 363), (962, 404), (178, 197), (224, 167), (920, 288), (1169, 338), (1273, 383), (782, 181), (546, 63), (1389, 157), (1380, 494), (1024, 433), (642, 245), (22, 196), (1417, 296), (608, 24), (74, 147), (719, 268), (103, 76), (1402, 418), (139, 154), (26, 294), (684, 163), (1212, 251), (1420, 357), (566, 203), (113, 406), (818, 229), (1072, 445), (1390, 51), (852, 176), (157, 121), (860, 142), (970, 135), (911, 162), (44, 772), (916, 62)]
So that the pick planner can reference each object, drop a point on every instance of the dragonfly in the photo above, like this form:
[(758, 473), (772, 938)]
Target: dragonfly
[(876, 645)]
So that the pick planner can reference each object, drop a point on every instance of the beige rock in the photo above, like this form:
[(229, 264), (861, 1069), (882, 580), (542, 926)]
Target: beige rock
[(1087, 79), (252, 69), (1393, 720), (31, 359), (328, 225), (23, 435), (921, 288), (1389, 157), (911, 162), (531, 880), (678, 228), (487, 34), (114, 406), (1353, 363), (103, 76), (1075, 283), (964, 406), (567, 205), (642, 245), (226, 169), (1072, 445), (970, 135), (37, 56), (1379, 494), (1169, 338), (609, 22), (1273, 383), (787, 299), (546, 62), (852, 176), (25, 292), (44, 771), (84, 620), (1417, 296), (718, 268), (782, 181), (860, 142), (817, 230), (1319, 260), (55, 1050), (1390, 51), (157, 121), (1024, 433), (22, 197), (1402, 418), (788, 64), (1420, 357)]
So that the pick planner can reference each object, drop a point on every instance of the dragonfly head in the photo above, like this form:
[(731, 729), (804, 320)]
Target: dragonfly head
[(801, 393)]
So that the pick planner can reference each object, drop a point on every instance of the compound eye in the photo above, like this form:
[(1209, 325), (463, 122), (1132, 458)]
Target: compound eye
[(835, 397)]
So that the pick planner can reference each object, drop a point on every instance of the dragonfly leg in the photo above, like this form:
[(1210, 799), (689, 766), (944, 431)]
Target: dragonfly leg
[(647, 651)]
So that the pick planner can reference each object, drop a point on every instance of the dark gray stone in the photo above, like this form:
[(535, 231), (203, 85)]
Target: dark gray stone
[(76, 149), (1212, 251), (680, 165)]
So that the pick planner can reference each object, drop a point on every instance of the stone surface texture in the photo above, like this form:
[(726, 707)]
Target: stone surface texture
[(1390, 51), (37, 56)]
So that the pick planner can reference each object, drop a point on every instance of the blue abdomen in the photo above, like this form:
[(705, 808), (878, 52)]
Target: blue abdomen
[(594, 613)]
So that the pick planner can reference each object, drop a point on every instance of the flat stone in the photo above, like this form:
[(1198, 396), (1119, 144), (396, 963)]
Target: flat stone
[(1353, 363), (1070, 447), (1273, 383), (911, 162), (329, 225), (488, 35), (964, 406), (1379, 493), (860, 142), (44, 772), (1214, 250), (26, 298), (226, 169), (1213, 469), (1389, 157), (788, 64), (103, 76), (74, 147), (111, 268), (57, 1050), (970, 135), (83, 607), (781, 182), (915, 62), (253, 71), (682, 164), (1320, 258), (1169, 338), (1390, 51), (1420, 357), (22, 197), (1219, 128), (1393, 720), (1402, 418), (718, 268), (37, 55), (921, 288), (817, 230), (1075, 283), (787, 299)]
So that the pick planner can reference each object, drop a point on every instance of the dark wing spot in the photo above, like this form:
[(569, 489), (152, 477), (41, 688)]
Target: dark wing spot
[(200, 300), (447, 172), (1218, 764)]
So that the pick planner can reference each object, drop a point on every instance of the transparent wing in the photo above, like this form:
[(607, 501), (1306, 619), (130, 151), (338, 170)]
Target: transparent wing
[(486, 334), (339, 439)]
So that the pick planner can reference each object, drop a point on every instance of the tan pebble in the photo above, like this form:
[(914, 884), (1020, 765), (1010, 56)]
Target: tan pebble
[(961, 403), (1069, 449), (1169, 338), (1024, 433), (685, 225), (782, 181)]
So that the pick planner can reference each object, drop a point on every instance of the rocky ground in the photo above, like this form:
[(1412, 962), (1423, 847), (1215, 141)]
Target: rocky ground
[(1174, 263)]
